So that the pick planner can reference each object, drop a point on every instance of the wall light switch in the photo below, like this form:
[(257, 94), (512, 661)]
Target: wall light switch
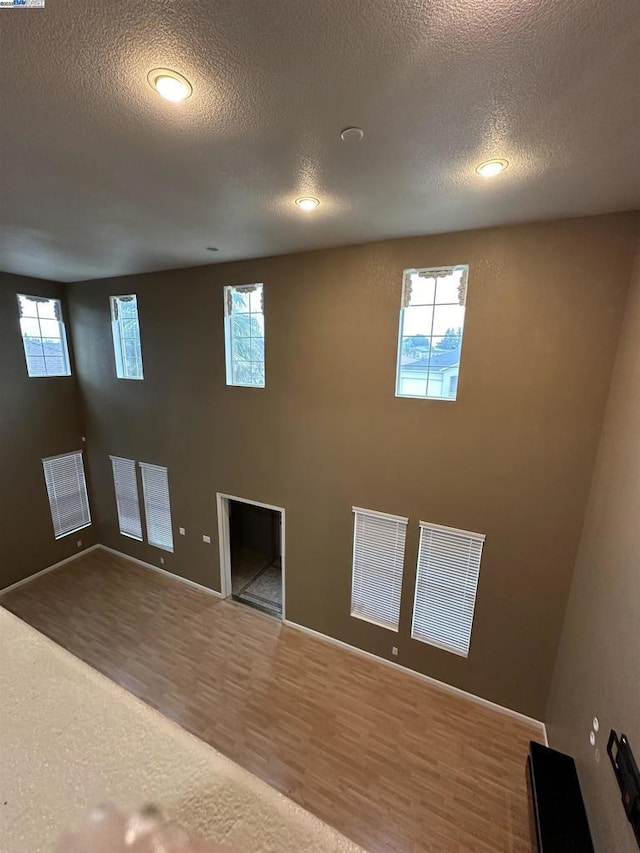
[(207, 539), (181, 531)]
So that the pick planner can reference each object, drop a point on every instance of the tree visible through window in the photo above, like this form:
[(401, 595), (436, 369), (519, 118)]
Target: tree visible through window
[(125, 328), (43, 336), (431, 327), (244, 335)]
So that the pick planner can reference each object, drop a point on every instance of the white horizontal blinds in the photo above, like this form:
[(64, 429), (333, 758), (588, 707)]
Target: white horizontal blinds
[(43, 336), (378, 560), (67, 491), (125, 484), (244, 335), (125, 328), (157, 507), (446, 583)]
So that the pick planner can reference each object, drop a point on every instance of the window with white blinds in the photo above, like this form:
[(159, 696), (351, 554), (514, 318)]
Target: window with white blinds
[(67, 491), (446, 584), (378, 560), (157, 507), (125, 484)]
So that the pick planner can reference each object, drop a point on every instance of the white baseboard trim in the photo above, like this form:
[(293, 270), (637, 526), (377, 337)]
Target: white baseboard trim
[(164, 572), (48, 569), (449, 688)]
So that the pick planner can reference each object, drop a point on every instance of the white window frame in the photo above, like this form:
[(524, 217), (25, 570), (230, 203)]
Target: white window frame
[(61, 328), (122, 366), (75, 468), (461, 576), (382, 573), (435, 273), (125, 487), (154, 510), (229, 346)]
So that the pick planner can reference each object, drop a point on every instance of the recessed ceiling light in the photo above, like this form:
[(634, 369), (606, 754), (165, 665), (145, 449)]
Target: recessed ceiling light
[(492, 168), (307, 203), (169, 84), (352, 134)]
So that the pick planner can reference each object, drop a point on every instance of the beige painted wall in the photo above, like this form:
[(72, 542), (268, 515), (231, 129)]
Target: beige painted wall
[(598, 668), (512, 458), (38, 418)]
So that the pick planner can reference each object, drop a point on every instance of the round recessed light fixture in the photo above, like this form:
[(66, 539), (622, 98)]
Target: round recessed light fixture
[(170, 85), (491, 168), (307, 203), (352, 134)]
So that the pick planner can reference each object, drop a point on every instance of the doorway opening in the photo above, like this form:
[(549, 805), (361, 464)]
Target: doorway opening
[(252, 553)]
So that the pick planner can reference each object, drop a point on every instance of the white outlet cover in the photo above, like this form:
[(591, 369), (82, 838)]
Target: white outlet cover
[(181, 531), (79, 543), (207, 539), (394, 651), (162, 561)]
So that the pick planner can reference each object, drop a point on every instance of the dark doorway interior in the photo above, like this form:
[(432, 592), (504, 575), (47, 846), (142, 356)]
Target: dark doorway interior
[(256, 556)]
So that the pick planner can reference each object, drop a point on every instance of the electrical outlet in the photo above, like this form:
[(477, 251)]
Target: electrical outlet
[(79, 543), (394, 651), (162, 561), (207, 539), (181, 531)]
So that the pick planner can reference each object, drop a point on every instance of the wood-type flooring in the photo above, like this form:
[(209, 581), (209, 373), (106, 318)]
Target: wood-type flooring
[(393, 762)]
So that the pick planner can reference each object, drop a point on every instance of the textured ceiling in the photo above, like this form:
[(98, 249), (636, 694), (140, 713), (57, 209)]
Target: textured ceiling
[(100, 177)]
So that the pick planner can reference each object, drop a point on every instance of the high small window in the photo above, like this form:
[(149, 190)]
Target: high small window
[(431, 327), (126, 337), (157, 506), (244, 335), (44, 336), (125, 484), (67, 491), (378, 560), (446, 584)]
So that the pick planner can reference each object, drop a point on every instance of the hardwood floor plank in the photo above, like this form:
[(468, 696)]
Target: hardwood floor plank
[(393, 762)]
